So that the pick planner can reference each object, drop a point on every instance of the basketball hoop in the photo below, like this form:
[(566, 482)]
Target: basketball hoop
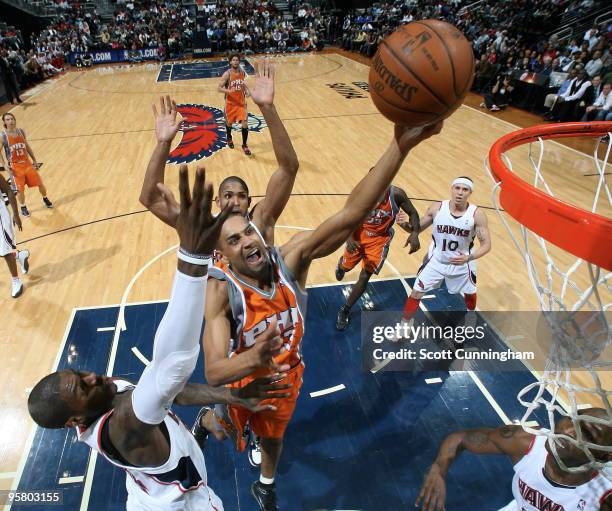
[(574, 297)]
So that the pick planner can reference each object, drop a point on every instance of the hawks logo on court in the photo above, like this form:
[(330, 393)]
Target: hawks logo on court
[(203, 129)]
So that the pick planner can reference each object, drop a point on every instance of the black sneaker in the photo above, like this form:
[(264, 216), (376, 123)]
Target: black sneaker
[(230, 143), (342, 320), (199, 432), (47, 202), (265, 495), (24, 211), (339, 271)]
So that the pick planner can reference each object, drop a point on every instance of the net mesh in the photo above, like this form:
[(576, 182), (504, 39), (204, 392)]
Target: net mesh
[(574, 296)]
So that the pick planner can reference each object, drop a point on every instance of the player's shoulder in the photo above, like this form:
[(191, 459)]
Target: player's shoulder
[(480, 215)]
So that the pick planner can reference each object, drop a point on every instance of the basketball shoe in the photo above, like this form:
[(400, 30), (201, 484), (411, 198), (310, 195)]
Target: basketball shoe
[(23, 257), (265, 495)]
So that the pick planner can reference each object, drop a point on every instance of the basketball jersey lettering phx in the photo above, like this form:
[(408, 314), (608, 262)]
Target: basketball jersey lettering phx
[(253, 310), (236, 83), (15, 148), (381, 219)]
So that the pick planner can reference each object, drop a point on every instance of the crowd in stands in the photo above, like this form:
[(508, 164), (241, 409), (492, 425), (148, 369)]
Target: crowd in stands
[(517, 62)]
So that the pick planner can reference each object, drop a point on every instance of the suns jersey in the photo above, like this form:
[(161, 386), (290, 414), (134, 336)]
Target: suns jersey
[(15, 148), (253, 309), (380, 220), (236, 83), (180, 483), (534, 492), (452, 236)]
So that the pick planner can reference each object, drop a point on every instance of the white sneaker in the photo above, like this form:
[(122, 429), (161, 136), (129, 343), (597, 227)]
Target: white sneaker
[(23, 257), (254, 451), (17, 288)]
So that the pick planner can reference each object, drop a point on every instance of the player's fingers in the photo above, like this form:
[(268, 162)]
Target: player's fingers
[(198, 188), (184, 193), (154, 111), (263, 408), (162, 106), (272, 70), (273, 387), (168, 104)]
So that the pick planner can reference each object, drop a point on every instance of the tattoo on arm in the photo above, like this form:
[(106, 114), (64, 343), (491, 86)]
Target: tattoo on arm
[(507, 431), (481, 233), (476, 439)]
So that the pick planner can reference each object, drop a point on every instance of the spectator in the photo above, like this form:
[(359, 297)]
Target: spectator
[(485, 71), (8, 78), (600, 109), (566, 104), (551, 99), (593, 67), (500, 95)]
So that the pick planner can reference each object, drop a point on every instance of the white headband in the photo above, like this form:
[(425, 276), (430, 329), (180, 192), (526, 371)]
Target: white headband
[(464, 181)]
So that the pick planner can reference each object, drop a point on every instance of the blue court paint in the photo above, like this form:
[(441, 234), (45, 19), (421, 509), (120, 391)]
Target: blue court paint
[(197, 70), (366, 447)]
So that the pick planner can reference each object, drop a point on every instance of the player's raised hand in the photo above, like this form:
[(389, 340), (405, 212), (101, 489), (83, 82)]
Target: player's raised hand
[(198, 230), (408, 137), (433, 492), (267, 346), (258, 390), (262, 92), (166, 120)]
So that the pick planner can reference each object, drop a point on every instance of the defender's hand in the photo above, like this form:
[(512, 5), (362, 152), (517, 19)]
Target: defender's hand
[(166, 122), (262, 93), (258, 390), (433, 491), (413, 241), (198, 230), (352, 246)]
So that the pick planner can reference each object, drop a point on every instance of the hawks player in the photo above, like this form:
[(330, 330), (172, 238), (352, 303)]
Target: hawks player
[(370, 244), (131, 426), (233, 85), (455, 224), (539, 482), (8, 249), (22, 169), (256, 288)]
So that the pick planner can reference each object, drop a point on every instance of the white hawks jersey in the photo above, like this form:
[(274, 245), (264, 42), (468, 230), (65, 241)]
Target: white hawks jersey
[(178, 484), (452, 236), (533, 491)]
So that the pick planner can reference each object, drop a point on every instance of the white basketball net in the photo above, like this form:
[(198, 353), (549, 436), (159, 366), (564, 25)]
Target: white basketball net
[(577, 316)]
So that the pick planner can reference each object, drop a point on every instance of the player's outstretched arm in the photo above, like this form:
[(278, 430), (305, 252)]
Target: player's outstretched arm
[(510, 440), (176, 346), (412, 224), (249, 396), (332, 233), (481, 226), (151, 197), (6, 188), (281, 183)]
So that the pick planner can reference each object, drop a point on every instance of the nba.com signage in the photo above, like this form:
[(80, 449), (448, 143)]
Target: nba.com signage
[(104, 57)]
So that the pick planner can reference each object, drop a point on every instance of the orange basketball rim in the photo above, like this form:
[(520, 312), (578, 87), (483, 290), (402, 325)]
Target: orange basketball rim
[(580, 232)]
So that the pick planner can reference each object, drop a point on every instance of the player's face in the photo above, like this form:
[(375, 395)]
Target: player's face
[(235, 62), (242, 246), (88, 394), (9, 121), (236, 196), (599, 434), (460, 194)]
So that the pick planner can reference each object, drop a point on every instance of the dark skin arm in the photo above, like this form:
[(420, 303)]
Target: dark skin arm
[(607, 504), (412, 226), (510, 440), (6, 188), (143, 444)]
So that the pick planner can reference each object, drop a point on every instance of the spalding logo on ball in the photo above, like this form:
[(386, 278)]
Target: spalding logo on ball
[(421, 73)]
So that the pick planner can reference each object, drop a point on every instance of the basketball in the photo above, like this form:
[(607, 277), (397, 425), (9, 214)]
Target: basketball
[(421, 73)]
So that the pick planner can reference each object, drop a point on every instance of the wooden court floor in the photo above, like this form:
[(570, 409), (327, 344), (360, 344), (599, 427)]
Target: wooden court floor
[(94, 132)]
